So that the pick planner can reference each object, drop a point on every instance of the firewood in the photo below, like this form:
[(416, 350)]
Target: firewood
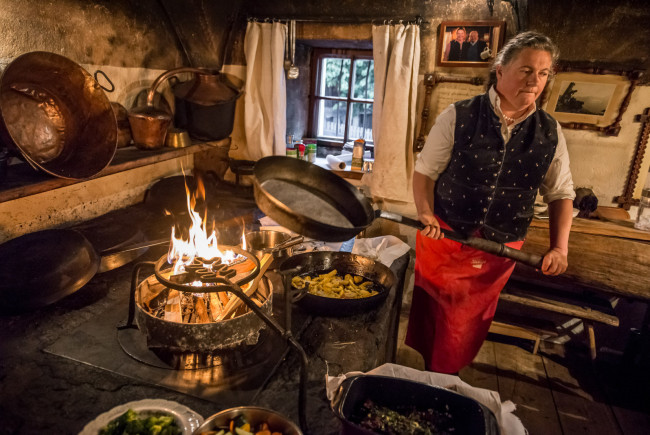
[(201, 310), (249, 289), (173, 307), (215, 306)]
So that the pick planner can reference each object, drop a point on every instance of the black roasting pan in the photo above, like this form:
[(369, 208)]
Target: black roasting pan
[(464, 415)]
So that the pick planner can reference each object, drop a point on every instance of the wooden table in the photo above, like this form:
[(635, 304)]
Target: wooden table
[(612, 257)]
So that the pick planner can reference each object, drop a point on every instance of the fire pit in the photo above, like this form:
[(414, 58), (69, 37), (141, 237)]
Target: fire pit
[(195, 311), (204, 301)]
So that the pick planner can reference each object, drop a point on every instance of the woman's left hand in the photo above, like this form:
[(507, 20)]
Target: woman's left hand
[(555, 262)]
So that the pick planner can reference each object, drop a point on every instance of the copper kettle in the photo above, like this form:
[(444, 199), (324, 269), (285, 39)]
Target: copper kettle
[(205, 105), (149, 124)]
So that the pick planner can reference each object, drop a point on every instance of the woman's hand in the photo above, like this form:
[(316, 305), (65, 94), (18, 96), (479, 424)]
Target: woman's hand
[(431, 226), (555, 262)]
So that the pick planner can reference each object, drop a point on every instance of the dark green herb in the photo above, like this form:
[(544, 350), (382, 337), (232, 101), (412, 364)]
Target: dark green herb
[(406, 421), (130, 423)]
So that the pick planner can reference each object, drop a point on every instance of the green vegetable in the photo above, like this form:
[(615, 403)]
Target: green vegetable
[(130, 423)]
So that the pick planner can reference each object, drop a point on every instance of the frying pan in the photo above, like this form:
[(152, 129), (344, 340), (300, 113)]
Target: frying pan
[(314, 263), (316, 203), (41, 268)]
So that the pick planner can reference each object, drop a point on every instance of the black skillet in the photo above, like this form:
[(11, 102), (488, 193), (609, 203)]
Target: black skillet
[(43, 267), (316, 203), (316, 263)]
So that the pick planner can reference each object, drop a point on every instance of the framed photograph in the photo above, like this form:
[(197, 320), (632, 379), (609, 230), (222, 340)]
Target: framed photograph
[(590, 98), (469, 43)]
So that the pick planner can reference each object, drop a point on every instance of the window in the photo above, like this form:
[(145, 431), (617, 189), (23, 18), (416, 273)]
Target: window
[(342, 96)]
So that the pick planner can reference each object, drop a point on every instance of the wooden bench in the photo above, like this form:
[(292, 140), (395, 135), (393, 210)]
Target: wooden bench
[(576, 303)]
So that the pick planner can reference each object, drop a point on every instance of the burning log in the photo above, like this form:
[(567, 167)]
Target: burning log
[(173, 309), (249, 289)]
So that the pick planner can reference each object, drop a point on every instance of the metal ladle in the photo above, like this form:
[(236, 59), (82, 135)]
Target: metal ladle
[(293, 69)]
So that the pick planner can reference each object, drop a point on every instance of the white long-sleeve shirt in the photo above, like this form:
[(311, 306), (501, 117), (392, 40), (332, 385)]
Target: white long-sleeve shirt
[(436, 154)]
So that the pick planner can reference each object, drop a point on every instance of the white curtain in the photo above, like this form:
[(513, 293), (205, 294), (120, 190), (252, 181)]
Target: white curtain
[(396, 52), (265, 99)]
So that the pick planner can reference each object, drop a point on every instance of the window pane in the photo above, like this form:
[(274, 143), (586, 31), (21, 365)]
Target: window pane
[(335, 77), (364, 79), (360, 121), (331, 118)]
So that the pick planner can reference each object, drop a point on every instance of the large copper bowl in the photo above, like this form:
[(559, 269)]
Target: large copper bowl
[(56, 115)]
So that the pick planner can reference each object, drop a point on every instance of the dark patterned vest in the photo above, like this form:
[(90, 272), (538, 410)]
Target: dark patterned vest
[(490, 185), (456, 51)]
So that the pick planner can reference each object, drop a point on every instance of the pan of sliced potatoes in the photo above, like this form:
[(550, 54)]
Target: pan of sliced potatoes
[(337, 284)]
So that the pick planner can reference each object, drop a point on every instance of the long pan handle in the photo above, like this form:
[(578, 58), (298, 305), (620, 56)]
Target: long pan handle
[(485, 245)]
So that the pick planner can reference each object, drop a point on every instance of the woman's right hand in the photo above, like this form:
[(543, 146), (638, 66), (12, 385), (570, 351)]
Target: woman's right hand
[(431, 226)]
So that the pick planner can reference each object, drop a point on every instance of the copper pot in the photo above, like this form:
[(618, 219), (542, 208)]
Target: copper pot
[(56, 115), (149, 123)]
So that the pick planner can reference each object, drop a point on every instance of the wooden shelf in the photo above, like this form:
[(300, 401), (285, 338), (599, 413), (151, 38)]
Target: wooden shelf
[(22, 180)]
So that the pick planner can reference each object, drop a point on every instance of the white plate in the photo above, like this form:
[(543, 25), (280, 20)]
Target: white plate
[(186, 419)]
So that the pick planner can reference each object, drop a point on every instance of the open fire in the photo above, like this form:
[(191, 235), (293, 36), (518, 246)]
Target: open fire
[(198, 261), (199, 244)]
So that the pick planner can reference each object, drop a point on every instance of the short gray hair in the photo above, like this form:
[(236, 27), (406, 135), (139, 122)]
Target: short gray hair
[(515, 45)]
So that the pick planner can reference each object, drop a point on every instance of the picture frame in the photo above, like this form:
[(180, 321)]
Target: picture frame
[(590, 98), (483, 35)]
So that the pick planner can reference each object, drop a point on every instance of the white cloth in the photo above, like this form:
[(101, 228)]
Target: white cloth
[(396, 53), (384, 249), (435, 156), (509, 424), (265, 100)]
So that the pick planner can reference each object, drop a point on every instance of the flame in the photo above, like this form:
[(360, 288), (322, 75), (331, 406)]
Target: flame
[(199, 244)]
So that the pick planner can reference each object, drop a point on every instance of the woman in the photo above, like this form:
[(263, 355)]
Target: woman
[(478, 174)]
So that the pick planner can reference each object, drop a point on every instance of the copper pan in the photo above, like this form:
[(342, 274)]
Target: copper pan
[(56, 115)]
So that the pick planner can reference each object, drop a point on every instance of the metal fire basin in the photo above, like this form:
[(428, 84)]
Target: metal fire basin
[(197, 337)]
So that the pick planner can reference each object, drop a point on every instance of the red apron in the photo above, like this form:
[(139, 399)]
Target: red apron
[(455, 295)]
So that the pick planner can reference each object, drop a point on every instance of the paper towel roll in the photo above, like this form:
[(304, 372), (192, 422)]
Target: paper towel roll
[(334, 162)]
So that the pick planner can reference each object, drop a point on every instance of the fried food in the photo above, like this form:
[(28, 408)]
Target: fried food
[(332, 285)]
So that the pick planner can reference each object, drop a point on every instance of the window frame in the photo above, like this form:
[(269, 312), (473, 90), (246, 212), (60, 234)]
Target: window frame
[(314, 100)]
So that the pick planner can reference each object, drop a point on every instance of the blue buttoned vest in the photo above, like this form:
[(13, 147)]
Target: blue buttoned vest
[(490, 185)]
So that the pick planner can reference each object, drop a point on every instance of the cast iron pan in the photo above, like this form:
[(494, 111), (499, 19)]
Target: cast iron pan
[(316, 203), (41, 268), (459, 414), (313, 263)]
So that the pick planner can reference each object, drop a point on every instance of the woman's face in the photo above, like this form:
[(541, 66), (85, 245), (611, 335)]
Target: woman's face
[(520, 82)]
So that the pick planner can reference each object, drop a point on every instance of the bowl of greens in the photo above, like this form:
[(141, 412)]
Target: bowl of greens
[(145, 417)]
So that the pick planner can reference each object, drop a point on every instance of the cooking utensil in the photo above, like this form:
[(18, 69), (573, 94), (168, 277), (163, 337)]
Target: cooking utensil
[(458, 413), (149, 125), (293, 72), (255, 416), (278, 244), (124, 136), (316, 203), (177, 138), (313, 263), (204, 105), (56, 115), (43, 267)]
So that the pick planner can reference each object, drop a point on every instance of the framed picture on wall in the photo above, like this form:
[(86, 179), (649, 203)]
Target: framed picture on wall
[(587, 100), (469, 43)]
